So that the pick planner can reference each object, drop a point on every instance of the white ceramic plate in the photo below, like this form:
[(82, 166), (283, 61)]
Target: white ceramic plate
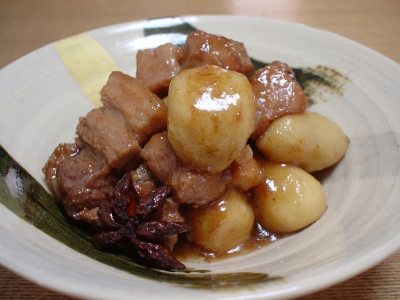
[(41, 103)]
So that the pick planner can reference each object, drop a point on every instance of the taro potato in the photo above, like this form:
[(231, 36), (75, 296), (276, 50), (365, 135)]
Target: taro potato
[(222, 225), (210, 116), (310, 140), (289, 199)]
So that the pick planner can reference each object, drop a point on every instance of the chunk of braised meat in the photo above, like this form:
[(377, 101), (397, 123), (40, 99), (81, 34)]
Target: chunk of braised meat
[(160, 156), (105, 131), (171, 213), (209, 49), (134, 220), (79, 180), (50, 169), (188, 185), (145, 114), (191, 186), (85, 181), (90, 217), (83, 174), (246, 172), (155, 68), (277, 93)]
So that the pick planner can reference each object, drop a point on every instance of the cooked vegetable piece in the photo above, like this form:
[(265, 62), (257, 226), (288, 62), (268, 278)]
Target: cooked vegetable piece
[(289, 199), (310, 140), (223, 225), (210, 116)]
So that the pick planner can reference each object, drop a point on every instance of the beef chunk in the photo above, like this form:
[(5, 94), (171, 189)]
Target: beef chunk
[(50, 169), (155, 68), (160, 156), (104, 131), (209, 49), (90, 217), (171, 213), (189, 186), (145, 114), (277, 93), (84, 181), (246, 172)]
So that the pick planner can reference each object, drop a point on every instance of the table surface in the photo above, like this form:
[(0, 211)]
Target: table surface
[(27, 25)]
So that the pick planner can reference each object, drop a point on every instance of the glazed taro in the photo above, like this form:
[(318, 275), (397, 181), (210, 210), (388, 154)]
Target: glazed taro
[(133, 220)]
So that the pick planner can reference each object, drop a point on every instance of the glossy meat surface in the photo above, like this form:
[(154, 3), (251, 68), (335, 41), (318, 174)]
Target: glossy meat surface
[(160, 156), (155, 68), (83, 174), (209, 49), (171, 213), (188, 185), (145, 114), (106, 133), (246, 172), (277, 93), (191, 186), (82, 180), (50, 169)]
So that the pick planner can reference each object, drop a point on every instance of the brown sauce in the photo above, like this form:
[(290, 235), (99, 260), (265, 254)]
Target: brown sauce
[(190, 252)]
